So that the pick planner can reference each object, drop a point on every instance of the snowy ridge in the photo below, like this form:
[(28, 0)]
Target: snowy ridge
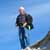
[(44, 44)]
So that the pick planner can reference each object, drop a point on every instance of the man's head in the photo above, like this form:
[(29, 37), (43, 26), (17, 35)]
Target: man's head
[(21, 10)]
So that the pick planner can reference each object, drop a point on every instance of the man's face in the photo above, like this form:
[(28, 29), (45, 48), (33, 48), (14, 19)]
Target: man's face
[(21, 11)]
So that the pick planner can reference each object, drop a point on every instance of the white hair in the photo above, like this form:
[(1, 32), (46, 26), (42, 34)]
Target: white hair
[(21, 8)]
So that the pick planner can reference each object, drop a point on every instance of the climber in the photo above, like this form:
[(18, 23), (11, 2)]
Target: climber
[(23, 20)]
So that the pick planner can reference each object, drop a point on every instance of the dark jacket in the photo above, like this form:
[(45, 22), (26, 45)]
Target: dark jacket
[(28, 19)]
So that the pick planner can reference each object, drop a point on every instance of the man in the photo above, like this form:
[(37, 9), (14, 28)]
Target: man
[(23, 20)]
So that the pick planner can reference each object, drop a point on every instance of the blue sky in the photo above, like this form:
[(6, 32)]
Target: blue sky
[(40, 11)]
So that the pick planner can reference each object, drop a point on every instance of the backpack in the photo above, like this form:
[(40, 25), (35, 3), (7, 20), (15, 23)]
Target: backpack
[(29, 20)]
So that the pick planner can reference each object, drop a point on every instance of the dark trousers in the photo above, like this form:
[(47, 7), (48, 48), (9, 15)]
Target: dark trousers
[(22, 37)]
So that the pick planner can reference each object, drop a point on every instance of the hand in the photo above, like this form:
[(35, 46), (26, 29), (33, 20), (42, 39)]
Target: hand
[(24, 24), (16, 25)]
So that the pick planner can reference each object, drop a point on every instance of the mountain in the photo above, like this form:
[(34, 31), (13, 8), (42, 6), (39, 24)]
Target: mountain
[(44, 44)]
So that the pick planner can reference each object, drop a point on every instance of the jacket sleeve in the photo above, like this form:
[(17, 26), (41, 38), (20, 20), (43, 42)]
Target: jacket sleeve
[(17, 20), (29, 19)]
